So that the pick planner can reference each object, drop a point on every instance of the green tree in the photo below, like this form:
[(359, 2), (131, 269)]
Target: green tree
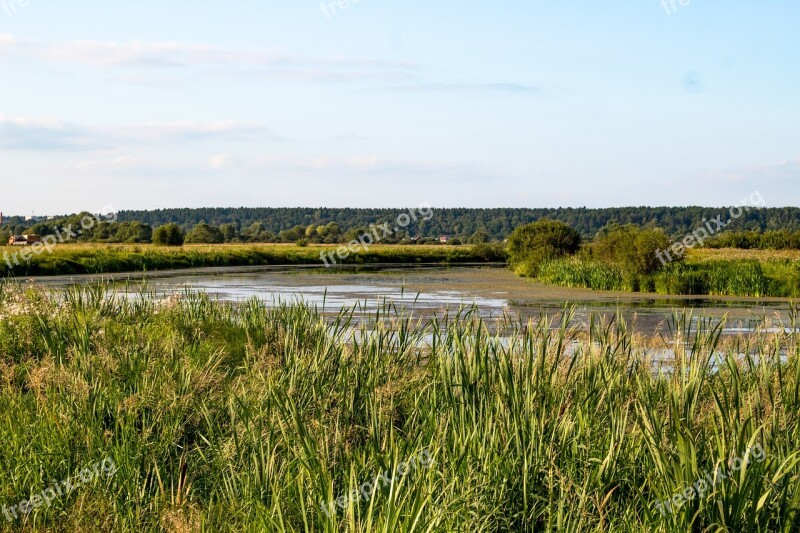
[(480, 237), (128, 232), (633, 249), (168, 235), (229, 232), (532, 244), (205, 234), (333, 230)]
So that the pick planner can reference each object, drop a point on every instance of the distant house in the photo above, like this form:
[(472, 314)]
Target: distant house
[(444, 238), (23, 240)]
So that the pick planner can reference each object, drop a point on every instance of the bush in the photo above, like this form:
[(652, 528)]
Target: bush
[(531, 245), (205, 234), (168, 235), (631, 248), (489, 252), (480, 237)]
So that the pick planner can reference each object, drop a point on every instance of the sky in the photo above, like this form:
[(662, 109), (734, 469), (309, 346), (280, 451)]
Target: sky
[(285, 103)]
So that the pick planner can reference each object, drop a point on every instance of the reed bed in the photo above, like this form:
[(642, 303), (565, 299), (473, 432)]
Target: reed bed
[(70, 259), (714, 277), (226, 417)]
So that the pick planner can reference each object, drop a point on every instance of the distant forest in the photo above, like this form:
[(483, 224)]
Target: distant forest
[(755, 228), (463, 223)]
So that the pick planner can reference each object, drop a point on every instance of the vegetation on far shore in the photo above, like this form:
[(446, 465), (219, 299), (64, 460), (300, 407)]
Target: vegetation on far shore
[(629, 258), (72, 259), (459, 222), (230, 418), (621, 257), (756, 228)]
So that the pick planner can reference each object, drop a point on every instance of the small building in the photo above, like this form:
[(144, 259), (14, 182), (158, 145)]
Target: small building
[(23, 240), (444, 238)]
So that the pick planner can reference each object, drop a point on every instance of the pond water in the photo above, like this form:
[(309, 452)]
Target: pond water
[(429, 291)]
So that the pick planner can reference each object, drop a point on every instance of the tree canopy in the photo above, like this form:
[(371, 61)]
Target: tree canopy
[(532, 244)]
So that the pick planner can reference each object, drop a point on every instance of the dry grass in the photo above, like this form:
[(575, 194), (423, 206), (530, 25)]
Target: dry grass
[(735, 254)]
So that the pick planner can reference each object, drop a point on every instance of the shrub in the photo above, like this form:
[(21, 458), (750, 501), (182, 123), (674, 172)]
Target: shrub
[(633, 249), (168, 235), (531, 245), (489, 252), (205, 234), (480, 237)]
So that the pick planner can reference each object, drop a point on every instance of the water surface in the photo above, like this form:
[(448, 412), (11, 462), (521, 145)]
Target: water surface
[(429, 291)]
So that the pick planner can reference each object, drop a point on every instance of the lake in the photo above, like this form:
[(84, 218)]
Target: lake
[(433, 290)]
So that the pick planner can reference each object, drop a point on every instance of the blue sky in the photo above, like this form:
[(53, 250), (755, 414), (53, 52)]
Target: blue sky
[(149, 104)]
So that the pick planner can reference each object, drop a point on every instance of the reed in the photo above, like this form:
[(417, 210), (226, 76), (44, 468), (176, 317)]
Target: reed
[(104, 259), (744, 277), (226, 417)]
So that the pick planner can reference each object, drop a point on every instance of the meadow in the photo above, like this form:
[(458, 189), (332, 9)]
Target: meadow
[(715, 272), (223, 417), (71, 259)]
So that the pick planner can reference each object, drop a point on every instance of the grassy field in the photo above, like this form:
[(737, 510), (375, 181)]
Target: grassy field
[(214, 417), (100, 258), (735, 254), (723, 272)]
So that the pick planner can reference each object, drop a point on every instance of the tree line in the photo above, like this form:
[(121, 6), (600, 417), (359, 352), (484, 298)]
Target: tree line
[(462, 223), (775, 228)]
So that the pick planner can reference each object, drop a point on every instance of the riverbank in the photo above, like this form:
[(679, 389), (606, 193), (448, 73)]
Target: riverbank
[(723, 272), (77, 259)]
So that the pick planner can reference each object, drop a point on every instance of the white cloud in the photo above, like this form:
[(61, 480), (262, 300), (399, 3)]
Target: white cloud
[(172, 55), (23, 133)]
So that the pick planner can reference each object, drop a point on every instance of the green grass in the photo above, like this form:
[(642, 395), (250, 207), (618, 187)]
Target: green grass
[(716, 277), (242, 418), (103, 259)]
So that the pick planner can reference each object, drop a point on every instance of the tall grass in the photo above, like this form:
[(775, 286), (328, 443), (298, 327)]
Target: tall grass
[(104, 259), (746, 278), (243, 418), (574, 272)]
